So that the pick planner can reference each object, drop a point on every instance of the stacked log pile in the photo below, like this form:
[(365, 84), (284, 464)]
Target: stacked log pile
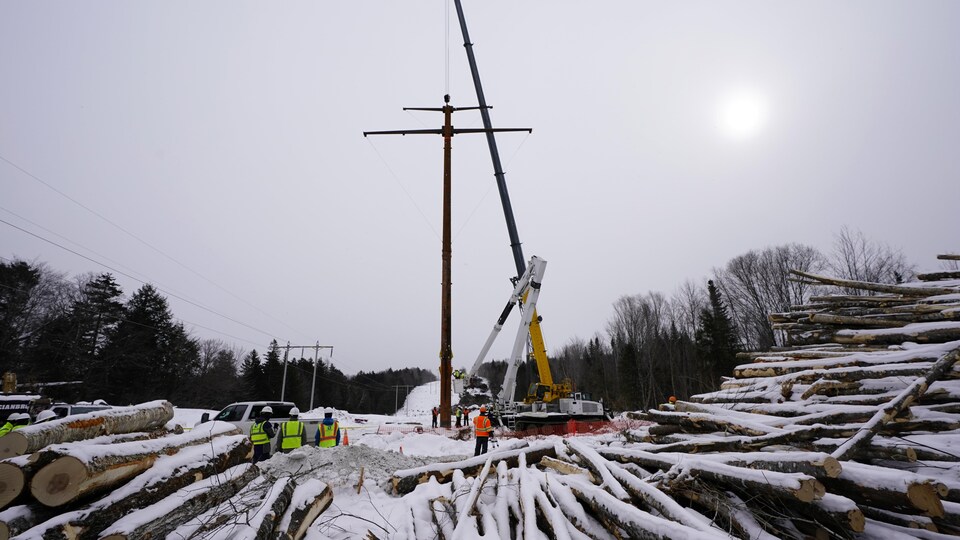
[(119, 473), (850, 430)]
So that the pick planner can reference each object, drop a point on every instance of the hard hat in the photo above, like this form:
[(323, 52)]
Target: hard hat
[(672, 399), (328, 410), (294, 412), (17, 416), (483, 408), (46, 415), (266, 410)]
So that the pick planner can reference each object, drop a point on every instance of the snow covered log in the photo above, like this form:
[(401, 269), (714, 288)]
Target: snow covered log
[(704, 422), (261, 520), (788, 486), (876, 287), (405, 481), (889, 489), (919, 332), (17, 519), (159, 519), (310, 498), (169, 474), (909, 395), (726, 508), (618, 515), (79, 470), (145, 417), (16, 472)]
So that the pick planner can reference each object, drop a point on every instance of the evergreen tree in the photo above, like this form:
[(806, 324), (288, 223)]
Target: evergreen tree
[(716, 341), (251, 375), (629, 376), (273, 372), (148, 356), (17, 281)]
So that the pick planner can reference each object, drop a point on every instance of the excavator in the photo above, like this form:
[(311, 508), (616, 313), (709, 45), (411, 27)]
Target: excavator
[(546, 401)]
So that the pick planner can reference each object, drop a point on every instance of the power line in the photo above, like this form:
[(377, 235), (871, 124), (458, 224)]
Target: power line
[(144, 242), (231, 319), (121, 319)]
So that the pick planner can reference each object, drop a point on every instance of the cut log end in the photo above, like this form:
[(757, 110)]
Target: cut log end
[(11, 483), (809, 490), (925, 497), (58, 483), (12, 444)]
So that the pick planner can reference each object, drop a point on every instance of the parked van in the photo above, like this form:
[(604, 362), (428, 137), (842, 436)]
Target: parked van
[(244, 413)]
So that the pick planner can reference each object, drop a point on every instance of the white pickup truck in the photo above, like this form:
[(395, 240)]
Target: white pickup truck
[(243, 414)]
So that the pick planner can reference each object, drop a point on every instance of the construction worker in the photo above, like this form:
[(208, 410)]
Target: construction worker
[(260, 434), (293, 434), (483, 430), (434, 413), (8, 425), (459, 415), (21, 420), (45, 416), (328, 432), (669, 405)]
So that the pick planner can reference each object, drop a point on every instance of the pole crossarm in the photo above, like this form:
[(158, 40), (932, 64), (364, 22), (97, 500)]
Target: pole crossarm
[(455, 131)]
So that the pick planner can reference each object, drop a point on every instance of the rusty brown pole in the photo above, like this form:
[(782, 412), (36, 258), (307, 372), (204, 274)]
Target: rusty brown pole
[(446, 347)]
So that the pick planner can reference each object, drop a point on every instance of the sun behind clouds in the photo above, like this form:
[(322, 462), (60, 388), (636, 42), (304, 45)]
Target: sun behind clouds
[(742, 114)]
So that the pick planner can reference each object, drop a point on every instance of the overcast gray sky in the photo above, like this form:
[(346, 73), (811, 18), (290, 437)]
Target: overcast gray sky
[(668, 138)]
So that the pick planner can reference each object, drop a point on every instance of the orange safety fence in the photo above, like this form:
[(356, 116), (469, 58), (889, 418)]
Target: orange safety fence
[(569, 429)]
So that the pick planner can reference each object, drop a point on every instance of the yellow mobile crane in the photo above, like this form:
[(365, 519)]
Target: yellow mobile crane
[(546, 390), (546, 402)]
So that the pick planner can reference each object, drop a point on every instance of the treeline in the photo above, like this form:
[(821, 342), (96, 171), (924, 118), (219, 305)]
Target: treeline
[(80, 340), (654, 346)]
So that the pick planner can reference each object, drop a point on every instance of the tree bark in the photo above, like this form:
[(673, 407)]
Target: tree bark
[(938, 276), (98, 468), (909, 395), (146, 489), (145, 417), (191, 501), (915, 332), (18, 519), (310, 499), (405, 481), (877, 287)]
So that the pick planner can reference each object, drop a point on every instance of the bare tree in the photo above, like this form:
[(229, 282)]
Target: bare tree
[(758, 283), (856, 258)]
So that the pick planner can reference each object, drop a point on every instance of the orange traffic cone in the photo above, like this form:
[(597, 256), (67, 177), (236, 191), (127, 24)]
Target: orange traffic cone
[(346, 438)]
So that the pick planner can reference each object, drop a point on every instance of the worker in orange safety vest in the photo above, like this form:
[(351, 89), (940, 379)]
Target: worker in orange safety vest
[(483, 429)]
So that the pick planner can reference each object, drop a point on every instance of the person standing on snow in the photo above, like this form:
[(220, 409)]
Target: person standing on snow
[(459, 414), (260, 434), (293, 434), (434, 413), (328, 432), (483, 430)]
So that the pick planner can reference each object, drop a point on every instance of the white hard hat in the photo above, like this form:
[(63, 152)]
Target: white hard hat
[(17, 416), (46, 415), (294, 412), (267, 409), (328, 410)]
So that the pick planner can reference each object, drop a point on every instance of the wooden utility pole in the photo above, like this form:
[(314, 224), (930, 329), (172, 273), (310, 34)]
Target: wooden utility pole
[(447, 131)]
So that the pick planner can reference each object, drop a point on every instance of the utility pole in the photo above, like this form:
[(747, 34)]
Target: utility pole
[(316, 352), (447, 131), (396, 397)]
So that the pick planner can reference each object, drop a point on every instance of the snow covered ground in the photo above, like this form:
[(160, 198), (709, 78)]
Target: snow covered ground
[(376, 443)]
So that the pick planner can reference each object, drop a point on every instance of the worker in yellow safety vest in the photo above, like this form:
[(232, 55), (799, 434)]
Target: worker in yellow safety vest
[(293, 434), (328, 432), (483, 430), (15, 421), (260, 434)]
